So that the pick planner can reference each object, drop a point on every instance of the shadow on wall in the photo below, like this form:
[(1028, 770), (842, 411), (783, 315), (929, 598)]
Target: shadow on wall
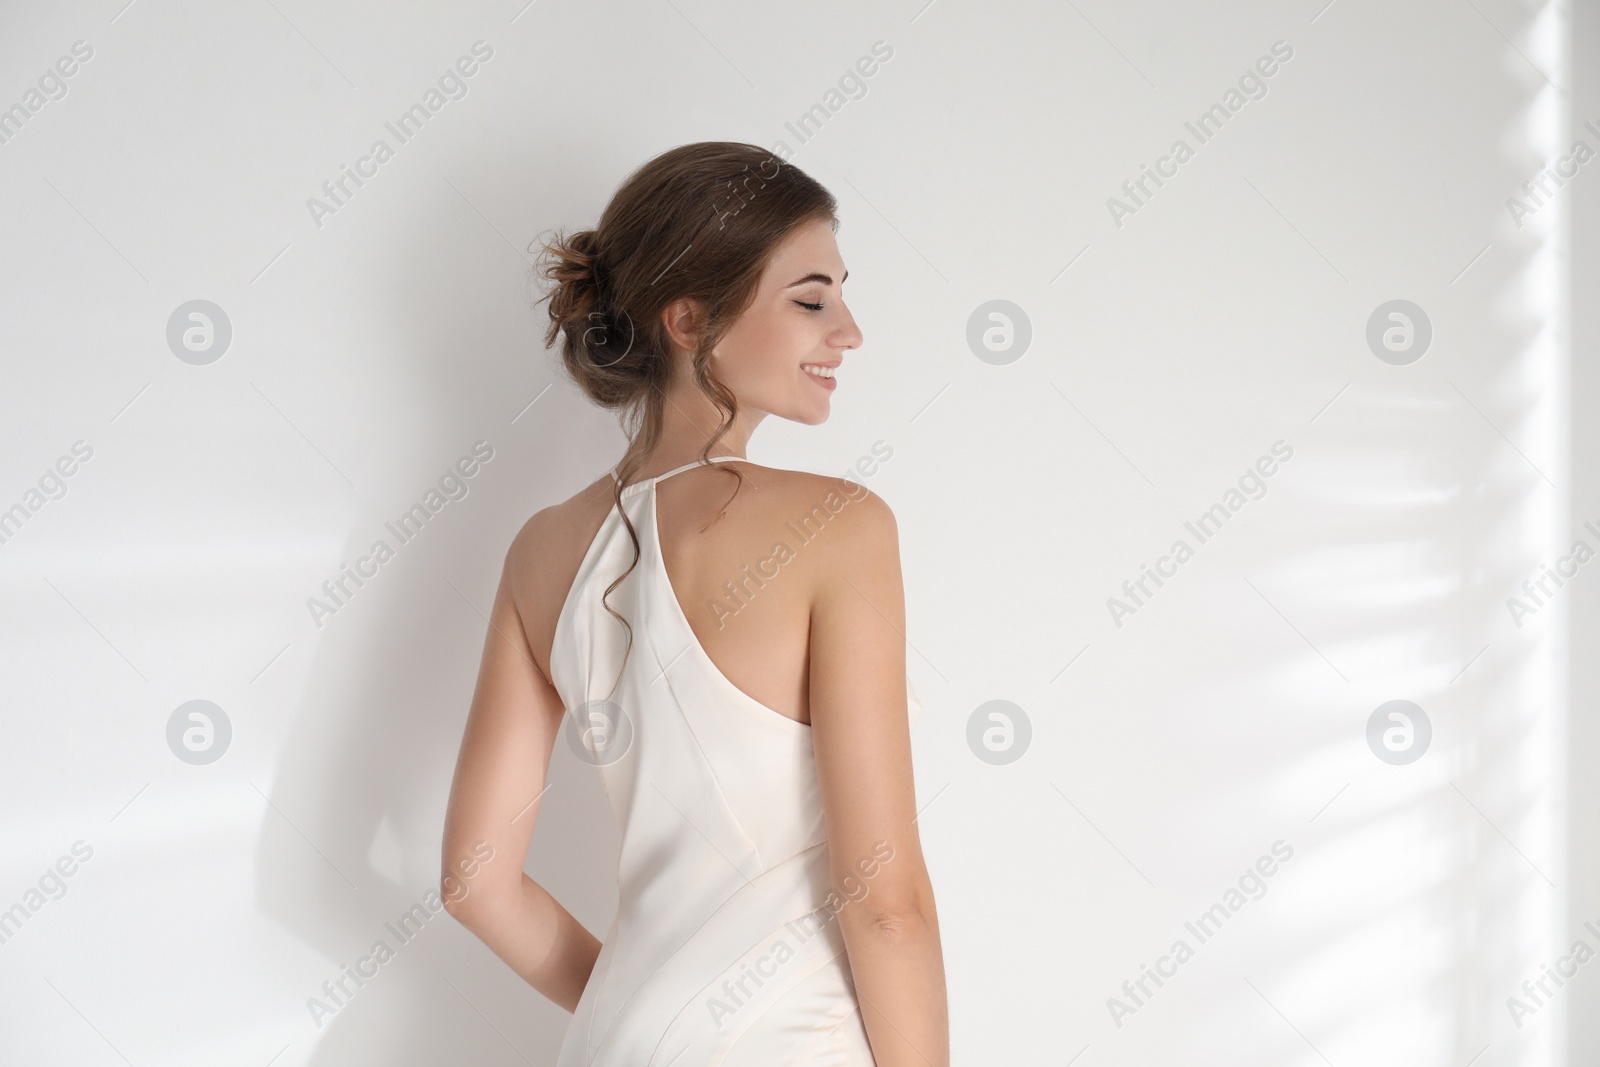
[(348, 859)]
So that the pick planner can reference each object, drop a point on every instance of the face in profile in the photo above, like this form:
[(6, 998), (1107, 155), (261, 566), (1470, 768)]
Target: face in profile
[(796, 326)]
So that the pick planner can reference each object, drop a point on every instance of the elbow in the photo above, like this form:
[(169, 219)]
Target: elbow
[(467, 885), (472, 904), (457, 896), (899, 926), (898, 917), (895, 926)]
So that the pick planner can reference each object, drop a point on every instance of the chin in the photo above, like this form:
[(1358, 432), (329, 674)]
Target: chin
[(806, 416), (815, 413), (807, 411)]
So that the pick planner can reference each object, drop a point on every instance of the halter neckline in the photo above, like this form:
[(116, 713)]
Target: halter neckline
[(644, 483)]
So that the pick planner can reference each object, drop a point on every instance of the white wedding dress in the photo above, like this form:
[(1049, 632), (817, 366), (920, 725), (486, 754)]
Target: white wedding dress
[(723, 953)]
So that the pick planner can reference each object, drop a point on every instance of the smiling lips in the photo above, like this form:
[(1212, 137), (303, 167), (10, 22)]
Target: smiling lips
[(822, 373)]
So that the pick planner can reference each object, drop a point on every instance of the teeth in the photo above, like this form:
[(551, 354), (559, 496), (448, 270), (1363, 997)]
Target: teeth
[(820, 372)]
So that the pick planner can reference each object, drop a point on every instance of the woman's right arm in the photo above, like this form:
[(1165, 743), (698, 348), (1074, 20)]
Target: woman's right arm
[(494, 803), (861, 738)]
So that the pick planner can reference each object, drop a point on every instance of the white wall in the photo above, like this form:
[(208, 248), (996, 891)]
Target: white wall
[(1170, 349), (1583, 748)]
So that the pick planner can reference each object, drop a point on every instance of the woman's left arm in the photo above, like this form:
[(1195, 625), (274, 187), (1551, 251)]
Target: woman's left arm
[(500, 779)]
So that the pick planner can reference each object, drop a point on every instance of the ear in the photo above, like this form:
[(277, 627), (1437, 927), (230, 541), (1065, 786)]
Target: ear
[(684, 319)]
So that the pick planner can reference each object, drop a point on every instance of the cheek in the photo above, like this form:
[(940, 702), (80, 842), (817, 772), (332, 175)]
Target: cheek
[(767, 354)]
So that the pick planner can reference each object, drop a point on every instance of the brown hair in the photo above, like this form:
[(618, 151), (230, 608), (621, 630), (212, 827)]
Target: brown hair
[(700, 221)]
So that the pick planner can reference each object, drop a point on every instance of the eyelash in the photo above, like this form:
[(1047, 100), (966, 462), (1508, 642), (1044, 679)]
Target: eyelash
[(809, 307)]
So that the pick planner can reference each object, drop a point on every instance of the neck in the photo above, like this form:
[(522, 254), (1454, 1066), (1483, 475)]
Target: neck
[(688, 421)]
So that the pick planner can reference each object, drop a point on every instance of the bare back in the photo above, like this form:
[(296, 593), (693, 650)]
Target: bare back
[(744, 581)]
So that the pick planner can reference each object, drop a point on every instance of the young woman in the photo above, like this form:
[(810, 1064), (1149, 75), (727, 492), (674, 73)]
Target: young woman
[(724, 643)]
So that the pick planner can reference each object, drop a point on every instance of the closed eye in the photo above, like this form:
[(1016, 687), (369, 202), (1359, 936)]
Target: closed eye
[(809, 307)]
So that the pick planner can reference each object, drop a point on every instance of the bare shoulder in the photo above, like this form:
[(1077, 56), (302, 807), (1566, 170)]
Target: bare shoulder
[(805, 490), (850, 526), (550, 527), (545, 553)]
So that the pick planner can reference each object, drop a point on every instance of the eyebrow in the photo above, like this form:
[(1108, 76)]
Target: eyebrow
[(817, 276)]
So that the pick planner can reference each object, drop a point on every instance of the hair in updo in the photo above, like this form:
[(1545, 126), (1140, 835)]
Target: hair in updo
[(699, 221)]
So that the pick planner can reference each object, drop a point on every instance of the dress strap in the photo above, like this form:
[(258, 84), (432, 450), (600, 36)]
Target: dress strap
[(640, 485), (697, 463)]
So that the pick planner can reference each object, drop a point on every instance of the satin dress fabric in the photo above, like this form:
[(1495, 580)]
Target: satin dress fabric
[(726, 949)]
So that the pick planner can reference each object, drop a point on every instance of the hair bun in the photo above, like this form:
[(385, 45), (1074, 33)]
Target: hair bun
[(576, 263), (608, 286), (572, 267), (598, 338)]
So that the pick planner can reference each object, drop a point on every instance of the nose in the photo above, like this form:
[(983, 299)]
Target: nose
[(848, 334)]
